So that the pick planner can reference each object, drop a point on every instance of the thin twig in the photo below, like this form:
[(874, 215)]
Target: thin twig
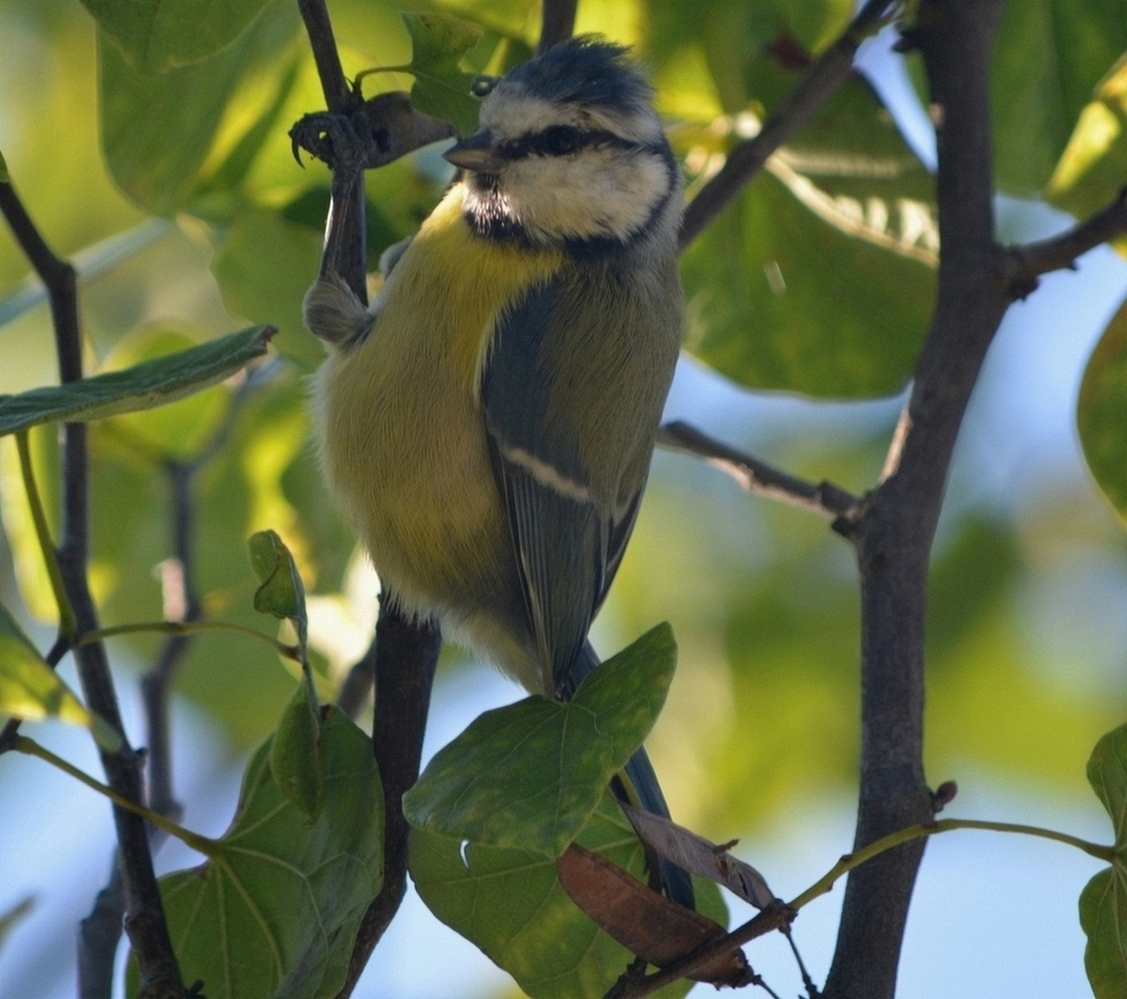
[(820, 81), (771, 918), (181, 605), (1061, 252), (358, 684), (315, 16), (145, 922), (823, 498), (557, 22)]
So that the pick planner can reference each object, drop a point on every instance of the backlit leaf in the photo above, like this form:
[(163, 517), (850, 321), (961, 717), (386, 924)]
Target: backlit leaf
[(158, 35), (29, 688), (1093, 168)]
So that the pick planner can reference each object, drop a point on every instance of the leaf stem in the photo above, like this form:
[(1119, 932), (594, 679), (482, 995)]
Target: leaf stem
[(189, 628), (778, 915), (877, 847), (67, 621), (201, 844)]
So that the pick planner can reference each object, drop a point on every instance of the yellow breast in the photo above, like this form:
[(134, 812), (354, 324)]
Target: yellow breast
[(399, 418)]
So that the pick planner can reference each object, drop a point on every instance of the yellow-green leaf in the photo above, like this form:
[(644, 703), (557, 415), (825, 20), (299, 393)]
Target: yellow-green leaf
[(29, 688)]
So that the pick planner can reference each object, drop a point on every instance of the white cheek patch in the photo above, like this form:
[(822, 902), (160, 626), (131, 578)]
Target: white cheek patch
[(606, 192)]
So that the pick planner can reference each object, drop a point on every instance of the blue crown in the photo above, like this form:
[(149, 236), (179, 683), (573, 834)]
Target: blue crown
[(585, 70)]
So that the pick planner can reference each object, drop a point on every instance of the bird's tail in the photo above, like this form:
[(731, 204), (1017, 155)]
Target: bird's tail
[(636, 785)]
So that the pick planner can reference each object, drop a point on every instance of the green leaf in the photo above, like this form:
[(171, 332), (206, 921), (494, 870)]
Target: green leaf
[(157, 165), (296, 760), (530, 774), (29, 688), (438, 41), (179, 430), (1101, 412), (158, 35), (281, 593), (442, 89), (1103, 913), (1092, 170), (755, 51), (263, 267), (275, 910), (1048, 57), (508, 902), (1103, 903), (820, 278), (143, 386)]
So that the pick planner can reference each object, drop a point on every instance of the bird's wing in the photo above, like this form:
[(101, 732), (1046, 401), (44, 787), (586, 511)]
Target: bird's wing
[(566, 543)]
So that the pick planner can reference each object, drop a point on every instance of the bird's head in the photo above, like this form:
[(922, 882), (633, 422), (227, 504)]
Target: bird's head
[(569, 152)]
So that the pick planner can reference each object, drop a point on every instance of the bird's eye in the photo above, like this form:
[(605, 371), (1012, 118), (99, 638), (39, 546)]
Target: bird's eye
[(483, 85), (561, 139)]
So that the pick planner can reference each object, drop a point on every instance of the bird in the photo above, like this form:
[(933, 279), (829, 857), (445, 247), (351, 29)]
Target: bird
[(488, 423)]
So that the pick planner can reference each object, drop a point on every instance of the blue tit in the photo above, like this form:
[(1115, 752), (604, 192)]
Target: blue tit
[(488, 424)]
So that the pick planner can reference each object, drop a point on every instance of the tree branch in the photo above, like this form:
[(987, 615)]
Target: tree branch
[(1031, 260), (893, 531), (405, 658), (354, 691), (345, 228), (315, 15), (406, 654), (823, 498), (820, 81), (145, 922), (557, 22)]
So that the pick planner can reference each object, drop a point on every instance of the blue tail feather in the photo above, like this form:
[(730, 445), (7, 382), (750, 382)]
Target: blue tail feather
[(643, 791)]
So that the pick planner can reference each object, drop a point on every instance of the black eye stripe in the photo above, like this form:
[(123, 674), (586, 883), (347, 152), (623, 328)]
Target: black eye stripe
[(561, 140)]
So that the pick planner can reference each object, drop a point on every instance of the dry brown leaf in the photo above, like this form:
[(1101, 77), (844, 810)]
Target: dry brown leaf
[(700, 857), (644, 922)]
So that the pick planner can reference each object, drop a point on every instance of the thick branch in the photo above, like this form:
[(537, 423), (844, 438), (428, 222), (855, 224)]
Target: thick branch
[(894, 530), (820, 81), (145, 922)]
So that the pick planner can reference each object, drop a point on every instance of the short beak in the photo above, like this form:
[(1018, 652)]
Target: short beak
[(475, 153)]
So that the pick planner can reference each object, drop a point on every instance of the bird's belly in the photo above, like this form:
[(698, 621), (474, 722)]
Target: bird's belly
[(411, 467)]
